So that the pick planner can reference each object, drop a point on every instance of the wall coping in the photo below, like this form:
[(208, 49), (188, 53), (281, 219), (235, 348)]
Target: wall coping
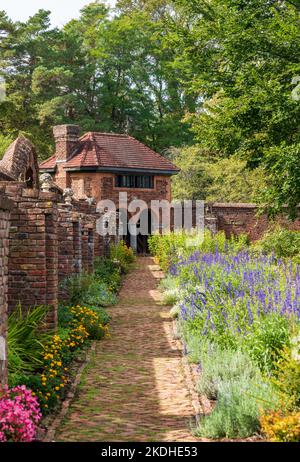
[(235, 205)]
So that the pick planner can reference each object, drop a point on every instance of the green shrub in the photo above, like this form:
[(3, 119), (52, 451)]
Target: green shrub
[(168, 248), (266, 340), (287, 381), (174, 312), (238, 409), (168, 283), (98, 294), (26, 339), (107, 272), (280, 241), (122, 255), (219, 366), (170, 297), (86, 289), (75, 286)]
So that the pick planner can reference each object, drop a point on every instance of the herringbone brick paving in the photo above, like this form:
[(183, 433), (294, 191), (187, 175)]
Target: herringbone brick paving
[(133, 389)]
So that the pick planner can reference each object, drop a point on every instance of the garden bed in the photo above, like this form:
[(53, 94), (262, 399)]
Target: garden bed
[(237, 309), (45, 367)]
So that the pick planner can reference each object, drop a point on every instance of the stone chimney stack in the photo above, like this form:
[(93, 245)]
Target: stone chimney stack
[(66, 138)]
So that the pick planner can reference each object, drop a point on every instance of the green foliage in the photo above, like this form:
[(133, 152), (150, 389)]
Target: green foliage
[(240, 57), (227, 69), (266, 340), (207, 177), (219, 366), (86, 289), (167, 248), (5, 141), (122, 255), (237, 411), (287, 379), (170, 297), (194, 179), (280, 241), (107, 272), (103, 71), (98, 294), (26, 339)]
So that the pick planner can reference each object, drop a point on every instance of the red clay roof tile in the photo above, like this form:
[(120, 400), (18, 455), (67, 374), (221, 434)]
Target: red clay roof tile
[(109, 150)]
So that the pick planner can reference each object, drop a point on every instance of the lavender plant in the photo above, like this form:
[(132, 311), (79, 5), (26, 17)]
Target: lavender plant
[(238, 308), (232, 296)]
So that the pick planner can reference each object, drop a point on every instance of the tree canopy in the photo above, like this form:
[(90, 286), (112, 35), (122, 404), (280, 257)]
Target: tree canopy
[(220, 77)]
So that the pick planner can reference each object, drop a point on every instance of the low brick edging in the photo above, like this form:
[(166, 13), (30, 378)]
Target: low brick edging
[(189, 376)]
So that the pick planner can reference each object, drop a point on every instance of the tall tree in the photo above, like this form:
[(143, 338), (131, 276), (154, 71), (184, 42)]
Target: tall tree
[(105, 72), (241, 58)]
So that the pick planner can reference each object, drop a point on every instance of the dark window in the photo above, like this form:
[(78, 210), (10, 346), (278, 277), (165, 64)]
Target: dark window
[(135, 181), (29, 178)]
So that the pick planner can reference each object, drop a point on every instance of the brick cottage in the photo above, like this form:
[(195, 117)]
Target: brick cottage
[(99, 166)]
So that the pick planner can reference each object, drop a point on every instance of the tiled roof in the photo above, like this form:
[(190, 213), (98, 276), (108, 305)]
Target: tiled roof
[(50, 163), (109, 150)]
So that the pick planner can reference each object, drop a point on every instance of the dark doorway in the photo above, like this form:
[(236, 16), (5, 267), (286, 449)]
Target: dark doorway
[(142, 240), (122, 223)]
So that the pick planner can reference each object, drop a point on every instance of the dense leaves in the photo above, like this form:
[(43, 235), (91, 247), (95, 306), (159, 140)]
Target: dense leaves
[(104, 72), (243, 59), (224, 74)]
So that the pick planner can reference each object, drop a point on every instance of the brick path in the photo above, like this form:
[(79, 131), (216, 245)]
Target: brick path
[(133, 389)]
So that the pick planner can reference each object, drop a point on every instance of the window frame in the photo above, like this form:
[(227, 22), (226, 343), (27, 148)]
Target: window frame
[(134, 181)]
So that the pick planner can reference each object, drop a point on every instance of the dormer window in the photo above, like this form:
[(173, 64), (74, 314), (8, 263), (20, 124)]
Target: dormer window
[(135, 181)]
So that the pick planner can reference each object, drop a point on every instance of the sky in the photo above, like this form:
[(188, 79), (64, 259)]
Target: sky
[(62, 10)]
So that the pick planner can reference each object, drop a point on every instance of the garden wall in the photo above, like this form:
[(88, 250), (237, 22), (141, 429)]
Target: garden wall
[(235, 219), (5, 207)]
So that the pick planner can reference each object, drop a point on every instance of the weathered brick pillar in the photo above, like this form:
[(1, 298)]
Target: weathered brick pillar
[(5, 207), (91, 248), (65, 246), (33, 252), (51, 248), (87, 241), (99, 244), (77, 245), (85, 248)]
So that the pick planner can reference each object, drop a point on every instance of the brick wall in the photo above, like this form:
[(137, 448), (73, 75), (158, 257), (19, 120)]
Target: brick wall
[(5, 206), (101, 186), (69, 245), (33, 250), (235, 219)]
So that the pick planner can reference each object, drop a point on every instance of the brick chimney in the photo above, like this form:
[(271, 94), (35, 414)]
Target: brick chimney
[(66, 138)]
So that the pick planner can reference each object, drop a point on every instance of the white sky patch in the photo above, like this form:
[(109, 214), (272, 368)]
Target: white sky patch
[(61, 11)]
